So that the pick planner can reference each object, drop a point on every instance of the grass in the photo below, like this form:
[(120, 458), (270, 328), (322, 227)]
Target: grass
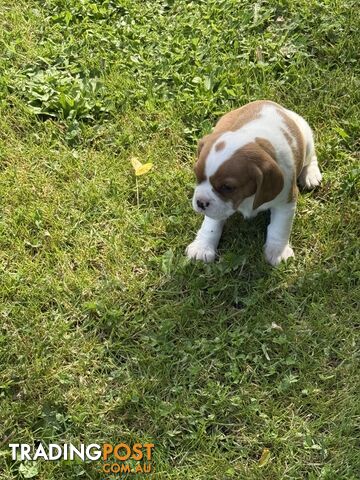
[(107, 332)]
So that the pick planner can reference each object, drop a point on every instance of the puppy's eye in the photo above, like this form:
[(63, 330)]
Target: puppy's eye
[(226, 188)]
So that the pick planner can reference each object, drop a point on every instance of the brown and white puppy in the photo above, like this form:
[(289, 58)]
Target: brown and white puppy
[(250, 163)]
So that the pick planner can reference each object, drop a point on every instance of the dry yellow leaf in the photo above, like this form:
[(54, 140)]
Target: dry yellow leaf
[(143, 169), (140, 169), (135, 163), (265, 456)]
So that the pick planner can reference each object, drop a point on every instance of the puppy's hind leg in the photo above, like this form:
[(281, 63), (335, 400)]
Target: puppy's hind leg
[(310, 176)]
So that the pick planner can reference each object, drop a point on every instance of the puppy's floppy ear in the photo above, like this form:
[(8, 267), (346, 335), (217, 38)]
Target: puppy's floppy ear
[(269, 180)]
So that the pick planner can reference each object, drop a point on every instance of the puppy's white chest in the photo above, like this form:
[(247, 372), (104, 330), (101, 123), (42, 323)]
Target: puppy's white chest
[(246, 208)]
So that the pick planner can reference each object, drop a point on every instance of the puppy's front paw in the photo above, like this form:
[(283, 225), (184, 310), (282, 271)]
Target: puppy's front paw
[(200, 251), (274, 254)]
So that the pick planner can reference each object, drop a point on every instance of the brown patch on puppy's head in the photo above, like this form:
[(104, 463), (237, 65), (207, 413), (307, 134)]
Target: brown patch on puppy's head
[(204, 146), (231, 121), (220, 146), (250, 170)]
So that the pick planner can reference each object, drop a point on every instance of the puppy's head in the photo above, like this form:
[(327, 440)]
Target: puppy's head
[(225, 178)]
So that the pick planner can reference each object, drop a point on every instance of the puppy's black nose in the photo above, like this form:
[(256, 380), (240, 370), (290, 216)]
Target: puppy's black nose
[(202, 204)]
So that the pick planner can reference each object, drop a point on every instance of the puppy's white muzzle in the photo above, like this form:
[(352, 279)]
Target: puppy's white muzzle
[(206, 202)]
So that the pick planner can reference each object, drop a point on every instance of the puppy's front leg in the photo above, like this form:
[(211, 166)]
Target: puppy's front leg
[(206, 241), (277, 246)]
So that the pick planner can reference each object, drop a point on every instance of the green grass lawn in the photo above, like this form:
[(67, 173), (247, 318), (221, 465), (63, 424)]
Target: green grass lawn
[(108, 333)]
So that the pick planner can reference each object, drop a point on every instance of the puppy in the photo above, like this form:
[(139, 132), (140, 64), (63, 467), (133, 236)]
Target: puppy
[(250, 163)]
